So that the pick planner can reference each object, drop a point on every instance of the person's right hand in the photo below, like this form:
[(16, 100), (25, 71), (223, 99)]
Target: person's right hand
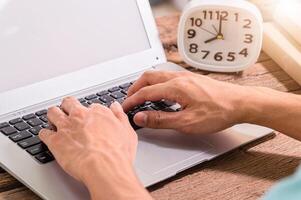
[(208, 105)]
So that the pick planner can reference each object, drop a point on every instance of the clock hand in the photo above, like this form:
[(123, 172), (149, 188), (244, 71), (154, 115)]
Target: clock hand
[(220, 34), (215, 29), (207, 31), (211, 39)]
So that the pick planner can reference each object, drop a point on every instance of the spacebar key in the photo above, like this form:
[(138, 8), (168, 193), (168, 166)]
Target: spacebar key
[(29, 142)]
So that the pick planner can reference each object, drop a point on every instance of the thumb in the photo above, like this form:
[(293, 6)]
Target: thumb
[(157, 119)]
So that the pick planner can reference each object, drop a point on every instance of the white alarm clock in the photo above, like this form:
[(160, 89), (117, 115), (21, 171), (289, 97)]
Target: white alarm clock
[(220, 35)]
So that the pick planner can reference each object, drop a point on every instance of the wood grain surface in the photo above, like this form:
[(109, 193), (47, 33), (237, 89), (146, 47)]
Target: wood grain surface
[(245, 173)]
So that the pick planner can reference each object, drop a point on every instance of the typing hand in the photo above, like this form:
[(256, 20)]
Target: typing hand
[(95, 145), (207, 105)]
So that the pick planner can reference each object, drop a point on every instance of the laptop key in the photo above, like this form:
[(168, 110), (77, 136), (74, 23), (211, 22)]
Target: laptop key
[(121, 100), (82, 100), (117, 95), (46, 126), (29, 142), (9, 130), (114, 89), (106, 99), (36, 149), (96, 101), (22, 126), (35, 130), (125, 86), (45, 157), (16, 137), (44, 118), (124, 92), (168, 103), (131, 115), (28, 117), (102, 93), (41, 112), (35, 122), (15, 121), (85, 104), (4, 124), (90, 97)]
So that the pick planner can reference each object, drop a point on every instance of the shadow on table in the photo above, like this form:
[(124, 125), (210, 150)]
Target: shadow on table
[(260, 165)]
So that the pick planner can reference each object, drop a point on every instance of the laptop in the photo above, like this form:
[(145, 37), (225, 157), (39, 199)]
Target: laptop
[(92, 50)]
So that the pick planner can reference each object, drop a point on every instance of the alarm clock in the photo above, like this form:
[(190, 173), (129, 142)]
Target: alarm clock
[(220, 35)]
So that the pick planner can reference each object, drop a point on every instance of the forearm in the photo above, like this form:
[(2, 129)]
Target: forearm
[(277, 110), (113, 179)]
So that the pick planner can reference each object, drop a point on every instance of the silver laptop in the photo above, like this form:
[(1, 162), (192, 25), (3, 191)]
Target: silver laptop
[(56, 48)]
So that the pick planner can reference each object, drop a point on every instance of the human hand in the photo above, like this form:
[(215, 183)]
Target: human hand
[(95, 145), (208, 105)]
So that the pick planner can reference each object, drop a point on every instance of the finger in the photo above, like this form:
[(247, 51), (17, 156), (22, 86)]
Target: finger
[(46, 136), (69, 104), (153, 93), (152, 78), (158, 119), (102, 110), (117, 110), (56, 116)]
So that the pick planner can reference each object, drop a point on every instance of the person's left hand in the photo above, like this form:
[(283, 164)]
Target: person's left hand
[(86, 136)]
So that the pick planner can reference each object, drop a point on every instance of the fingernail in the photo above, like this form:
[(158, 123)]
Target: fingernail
[(116, 105), (140, 119)]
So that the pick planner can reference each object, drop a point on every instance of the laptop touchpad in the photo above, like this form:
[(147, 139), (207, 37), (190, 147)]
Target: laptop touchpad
[(161, 149)]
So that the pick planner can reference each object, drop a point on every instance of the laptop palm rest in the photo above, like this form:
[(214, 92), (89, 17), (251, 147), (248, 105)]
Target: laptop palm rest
[(162, 149)]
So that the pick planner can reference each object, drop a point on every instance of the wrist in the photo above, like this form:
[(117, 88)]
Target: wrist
[(110, 177), (262, 106)]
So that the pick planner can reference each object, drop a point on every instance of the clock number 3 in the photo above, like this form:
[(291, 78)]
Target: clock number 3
[(248, 38)]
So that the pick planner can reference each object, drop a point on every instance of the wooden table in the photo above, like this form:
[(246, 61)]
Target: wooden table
[(245, 173)]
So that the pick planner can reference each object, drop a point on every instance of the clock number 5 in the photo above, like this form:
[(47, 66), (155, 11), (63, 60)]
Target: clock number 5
[(231, 57)]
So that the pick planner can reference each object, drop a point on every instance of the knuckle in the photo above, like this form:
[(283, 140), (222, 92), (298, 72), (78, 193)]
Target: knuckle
[(147, 74), (156, 119), (77, 111), (99, 108)]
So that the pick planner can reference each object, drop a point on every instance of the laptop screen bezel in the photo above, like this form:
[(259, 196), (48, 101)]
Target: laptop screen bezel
[(20, 98)]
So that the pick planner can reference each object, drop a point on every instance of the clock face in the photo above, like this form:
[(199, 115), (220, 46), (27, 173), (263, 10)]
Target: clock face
[(222, 36)]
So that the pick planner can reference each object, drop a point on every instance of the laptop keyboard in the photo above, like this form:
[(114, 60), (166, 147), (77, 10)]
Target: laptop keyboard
[(24, 131)]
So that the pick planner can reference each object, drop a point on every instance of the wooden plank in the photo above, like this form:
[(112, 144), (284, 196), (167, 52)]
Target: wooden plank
[(19, 193)]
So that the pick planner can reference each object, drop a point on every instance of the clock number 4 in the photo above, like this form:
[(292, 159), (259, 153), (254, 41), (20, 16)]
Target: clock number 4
[(244, 52)]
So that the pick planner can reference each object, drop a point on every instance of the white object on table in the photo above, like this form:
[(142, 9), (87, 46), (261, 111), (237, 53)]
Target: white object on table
[(220, 36), (288, 16), (283, 50), (180, 4)]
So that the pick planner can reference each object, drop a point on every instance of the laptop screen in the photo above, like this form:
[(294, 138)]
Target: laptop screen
[(44, 39)]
